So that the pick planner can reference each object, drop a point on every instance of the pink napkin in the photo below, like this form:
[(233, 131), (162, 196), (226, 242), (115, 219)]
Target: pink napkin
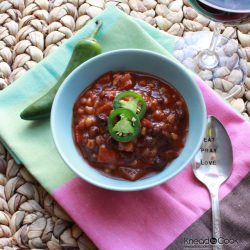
[(152, 219)]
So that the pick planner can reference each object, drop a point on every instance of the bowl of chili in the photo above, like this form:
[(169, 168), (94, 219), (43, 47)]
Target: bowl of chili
[(128, 119)]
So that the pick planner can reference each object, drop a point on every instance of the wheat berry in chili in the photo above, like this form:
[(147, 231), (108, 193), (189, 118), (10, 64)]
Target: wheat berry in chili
[(163, 124)]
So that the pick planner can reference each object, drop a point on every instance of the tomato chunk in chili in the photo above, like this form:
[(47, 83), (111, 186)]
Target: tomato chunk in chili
[(164, 126)]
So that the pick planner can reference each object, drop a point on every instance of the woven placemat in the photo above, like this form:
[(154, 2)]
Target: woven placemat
[(29, 31)]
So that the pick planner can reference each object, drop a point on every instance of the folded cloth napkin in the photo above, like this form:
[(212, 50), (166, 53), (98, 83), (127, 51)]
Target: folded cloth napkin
[(150, 219)]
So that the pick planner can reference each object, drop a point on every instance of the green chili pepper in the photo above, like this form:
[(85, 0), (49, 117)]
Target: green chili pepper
[(83, 50), (135, 104), (123, 125)]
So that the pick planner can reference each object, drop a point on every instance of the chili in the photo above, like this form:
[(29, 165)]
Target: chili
[(162, 133), (83, 50)]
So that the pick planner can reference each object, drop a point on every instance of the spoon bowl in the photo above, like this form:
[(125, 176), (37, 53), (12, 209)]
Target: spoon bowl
[(213, 163)]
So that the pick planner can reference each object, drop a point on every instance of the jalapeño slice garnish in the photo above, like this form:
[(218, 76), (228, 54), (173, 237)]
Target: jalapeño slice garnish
[(131, 100), (123, 124)]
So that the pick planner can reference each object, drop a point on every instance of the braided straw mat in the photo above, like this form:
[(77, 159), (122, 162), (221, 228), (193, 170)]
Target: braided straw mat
[(29, 31)]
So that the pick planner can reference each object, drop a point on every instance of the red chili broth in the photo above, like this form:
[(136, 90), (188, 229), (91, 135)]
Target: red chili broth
[(163, 133)]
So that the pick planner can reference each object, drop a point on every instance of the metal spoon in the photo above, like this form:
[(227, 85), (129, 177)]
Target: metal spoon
[(212, 166)]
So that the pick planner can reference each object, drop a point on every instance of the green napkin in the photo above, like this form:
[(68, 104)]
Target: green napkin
[(30, 142)]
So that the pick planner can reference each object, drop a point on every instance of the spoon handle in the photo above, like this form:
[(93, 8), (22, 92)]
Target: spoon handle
[(216, 219)]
